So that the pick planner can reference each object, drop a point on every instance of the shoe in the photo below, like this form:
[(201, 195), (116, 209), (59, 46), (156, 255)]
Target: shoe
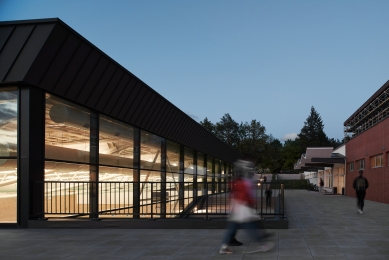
[(262, 248), (225, 250), (360, 211), (235, 242)]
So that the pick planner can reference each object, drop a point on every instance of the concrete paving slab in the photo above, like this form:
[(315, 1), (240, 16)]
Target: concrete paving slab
[(320, 228)]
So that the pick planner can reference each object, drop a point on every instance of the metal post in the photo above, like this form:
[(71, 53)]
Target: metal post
[(152, 200), (261, 199), (282, 199)]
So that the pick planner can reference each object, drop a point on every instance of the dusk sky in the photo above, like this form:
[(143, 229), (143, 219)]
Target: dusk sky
[(254, 59)]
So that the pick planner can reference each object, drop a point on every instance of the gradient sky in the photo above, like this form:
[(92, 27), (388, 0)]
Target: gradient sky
[(254, 59)]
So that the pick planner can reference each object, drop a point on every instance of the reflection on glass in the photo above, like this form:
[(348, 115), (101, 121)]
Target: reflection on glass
[(210, 175), (8, 153), (172, 157), (115, 192), (188, 161), (8, 190), (114, 174), (58, 171), (8, 123), (66, 189), (67, 130), (150, 151), (116, 143), (201, 174)]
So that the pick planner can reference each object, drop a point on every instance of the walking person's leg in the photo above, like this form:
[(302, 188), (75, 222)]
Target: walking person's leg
[(359, 201), (232, 227), (363, 194), (258, 235)]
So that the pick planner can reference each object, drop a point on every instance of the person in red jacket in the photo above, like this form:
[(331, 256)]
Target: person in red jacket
[(242, 215)]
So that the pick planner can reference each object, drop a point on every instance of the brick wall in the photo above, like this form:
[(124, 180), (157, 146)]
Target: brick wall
[(370, 143)]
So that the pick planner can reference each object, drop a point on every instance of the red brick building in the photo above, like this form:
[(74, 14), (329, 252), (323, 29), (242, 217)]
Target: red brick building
[(367, 146)]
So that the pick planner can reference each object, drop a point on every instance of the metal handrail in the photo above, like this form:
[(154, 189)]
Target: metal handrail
[(115, 199)]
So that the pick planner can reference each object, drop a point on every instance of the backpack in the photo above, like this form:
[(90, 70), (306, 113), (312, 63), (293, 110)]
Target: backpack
[(361, 184)]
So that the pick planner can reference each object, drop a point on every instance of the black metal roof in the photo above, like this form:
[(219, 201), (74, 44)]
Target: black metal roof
[(48, 54)]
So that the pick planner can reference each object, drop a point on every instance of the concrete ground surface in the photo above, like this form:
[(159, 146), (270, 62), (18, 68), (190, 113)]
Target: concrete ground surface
[(320, 227)]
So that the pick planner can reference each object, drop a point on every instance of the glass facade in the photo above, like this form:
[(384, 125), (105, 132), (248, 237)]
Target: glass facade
[(96, 166), (8, 155), (201, 175), (67, 131), (116, 143)]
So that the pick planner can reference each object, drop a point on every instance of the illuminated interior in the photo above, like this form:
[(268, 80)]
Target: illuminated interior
[(8, 153)]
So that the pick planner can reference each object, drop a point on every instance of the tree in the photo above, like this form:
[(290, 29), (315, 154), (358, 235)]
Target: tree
[(312, 134), (272, 155), (228, 131), (335, 142), (208, 125), (252, 140), (290, 153)]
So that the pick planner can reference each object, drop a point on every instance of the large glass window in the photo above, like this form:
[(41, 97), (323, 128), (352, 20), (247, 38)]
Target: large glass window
[(8, 153), (172, 161), (116, 143), (210, 175), (115, 192), (188, 161), (201, 174), (67, 131), (150, 151), (67, 189)]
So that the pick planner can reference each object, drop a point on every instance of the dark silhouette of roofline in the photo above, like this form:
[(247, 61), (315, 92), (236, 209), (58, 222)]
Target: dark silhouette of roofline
[(48, 54)]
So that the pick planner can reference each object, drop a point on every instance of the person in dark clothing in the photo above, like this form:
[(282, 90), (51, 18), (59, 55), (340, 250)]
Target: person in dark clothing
[(268, 192), (360, 185)]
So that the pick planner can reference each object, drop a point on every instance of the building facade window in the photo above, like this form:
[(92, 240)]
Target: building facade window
[(172, 161), (376, 161), (210, 175), (67, 131), (8, 154), (361, 164), (150, 151), (351, 166), (201, 174), (89, 167), (116, 143)]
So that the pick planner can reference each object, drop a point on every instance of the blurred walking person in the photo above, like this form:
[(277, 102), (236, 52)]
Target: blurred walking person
[(360, 185), (243, 215)]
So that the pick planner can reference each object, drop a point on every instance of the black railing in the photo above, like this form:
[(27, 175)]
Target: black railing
[(150, 199)]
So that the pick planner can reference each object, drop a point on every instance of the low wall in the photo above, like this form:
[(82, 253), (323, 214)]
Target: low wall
[(289, 176)]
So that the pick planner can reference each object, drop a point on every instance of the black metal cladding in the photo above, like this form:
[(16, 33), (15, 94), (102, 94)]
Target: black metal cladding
[(109, 89), (115, 95), (50, 55)]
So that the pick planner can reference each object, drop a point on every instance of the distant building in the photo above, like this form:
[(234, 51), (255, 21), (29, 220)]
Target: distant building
[(326, 163), (367, 147)]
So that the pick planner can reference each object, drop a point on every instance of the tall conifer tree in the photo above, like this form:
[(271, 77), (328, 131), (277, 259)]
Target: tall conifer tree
[(312, 134)]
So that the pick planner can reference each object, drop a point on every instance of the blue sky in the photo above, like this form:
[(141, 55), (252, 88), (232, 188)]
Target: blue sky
[(264, 60)]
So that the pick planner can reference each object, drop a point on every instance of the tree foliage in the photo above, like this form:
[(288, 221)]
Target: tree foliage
[(251, 140)]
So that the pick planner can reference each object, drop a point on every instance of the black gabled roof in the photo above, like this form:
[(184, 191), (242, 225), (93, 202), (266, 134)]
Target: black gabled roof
[(48, 54)]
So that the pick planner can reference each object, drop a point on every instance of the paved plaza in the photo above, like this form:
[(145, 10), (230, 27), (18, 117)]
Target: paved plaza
[(320, 227)]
